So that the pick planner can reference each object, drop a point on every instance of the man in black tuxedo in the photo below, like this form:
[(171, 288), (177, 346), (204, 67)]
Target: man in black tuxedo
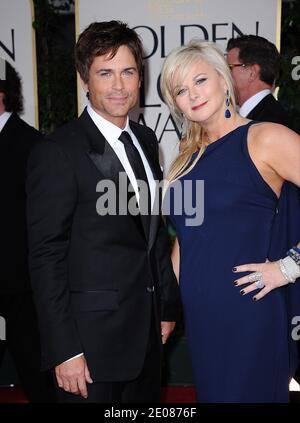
[(106, 294), (16, 303), (254, 62)]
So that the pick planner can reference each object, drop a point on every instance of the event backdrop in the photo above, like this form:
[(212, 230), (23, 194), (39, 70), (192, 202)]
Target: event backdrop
[(165, 24), (17, 46)]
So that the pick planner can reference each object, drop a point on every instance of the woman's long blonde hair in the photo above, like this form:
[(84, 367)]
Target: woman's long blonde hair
[(179, 61)]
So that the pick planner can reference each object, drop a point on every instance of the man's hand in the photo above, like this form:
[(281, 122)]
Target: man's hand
[(166, 330), (72, 376)]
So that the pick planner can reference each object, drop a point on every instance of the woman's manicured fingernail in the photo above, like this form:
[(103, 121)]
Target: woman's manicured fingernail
[(235, 283), (234, 269), (242, 292), (254, 298)]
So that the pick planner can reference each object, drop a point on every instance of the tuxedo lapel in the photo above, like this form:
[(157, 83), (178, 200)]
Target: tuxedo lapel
[(255, 114), (99, 150), (106, 161)]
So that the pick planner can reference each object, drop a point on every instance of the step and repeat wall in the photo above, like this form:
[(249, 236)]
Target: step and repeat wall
[(165, 24)]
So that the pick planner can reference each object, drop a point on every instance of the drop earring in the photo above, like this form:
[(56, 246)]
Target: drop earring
[(227, 102)]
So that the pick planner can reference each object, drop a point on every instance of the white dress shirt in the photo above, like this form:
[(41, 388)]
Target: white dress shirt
[(111, 133), (252, 102), (4, 118)]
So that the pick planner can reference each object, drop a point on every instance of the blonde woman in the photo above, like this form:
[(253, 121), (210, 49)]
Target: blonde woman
[(238, 325)]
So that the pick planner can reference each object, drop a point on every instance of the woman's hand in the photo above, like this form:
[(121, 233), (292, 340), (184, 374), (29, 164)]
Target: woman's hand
[(264, 277)]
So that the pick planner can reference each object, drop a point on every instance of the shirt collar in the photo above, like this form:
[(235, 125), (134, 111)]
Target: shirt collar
[(252, 102), (4, 118), (110, 131)]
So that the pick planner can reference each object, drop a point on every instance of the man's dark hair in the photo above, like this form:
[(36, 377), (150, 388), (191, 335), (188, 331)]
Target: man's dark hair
[(11, 86), (260, 51), (101, 38)]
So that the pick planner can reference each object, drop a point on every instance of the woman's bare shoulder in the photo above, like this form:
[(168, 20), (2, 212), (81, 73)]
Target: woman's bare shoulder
[(267, 133)]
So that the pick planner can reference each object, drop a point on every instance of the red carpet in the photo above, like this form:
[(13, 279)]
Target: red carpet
[(172, 394), (178, 394), (12, 394)]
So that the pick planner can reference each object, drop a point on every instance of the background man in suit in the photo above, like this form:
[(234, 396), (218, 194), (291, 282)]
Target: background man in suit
[(254, 62), (106, 294), (16, 303)]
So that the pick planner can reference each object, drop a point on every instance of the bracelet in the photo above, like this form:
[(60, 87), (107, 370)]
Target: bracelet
[(283, 270), (289, 269), (294, 253)]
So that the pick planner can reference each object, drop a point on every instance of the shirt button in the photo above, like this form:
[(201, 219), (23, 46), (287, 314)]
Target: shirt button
[(150, 288)]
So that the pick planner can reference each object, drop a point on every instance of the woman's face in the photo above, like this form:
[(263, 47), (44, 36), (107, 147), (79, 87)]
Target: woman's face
[(201, 95)]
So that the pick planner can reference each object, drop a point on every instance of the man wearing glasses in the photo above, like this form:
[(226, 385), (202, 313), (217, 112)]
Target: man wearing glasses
[(254, 62)]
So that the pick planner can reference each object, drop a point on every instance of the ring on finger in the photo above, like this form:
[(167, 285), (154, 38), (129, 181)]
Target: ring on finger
[(260, 283), (255, 276)]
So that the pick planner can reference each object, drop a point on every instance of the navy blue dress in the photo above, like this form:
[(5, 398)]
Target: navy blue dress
[(241, 350)]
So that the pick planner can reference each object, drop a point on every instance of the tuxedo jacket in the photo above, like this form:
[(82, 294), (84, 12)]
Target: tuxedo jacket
[(97, 280), (269, 110), (16, 140)]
